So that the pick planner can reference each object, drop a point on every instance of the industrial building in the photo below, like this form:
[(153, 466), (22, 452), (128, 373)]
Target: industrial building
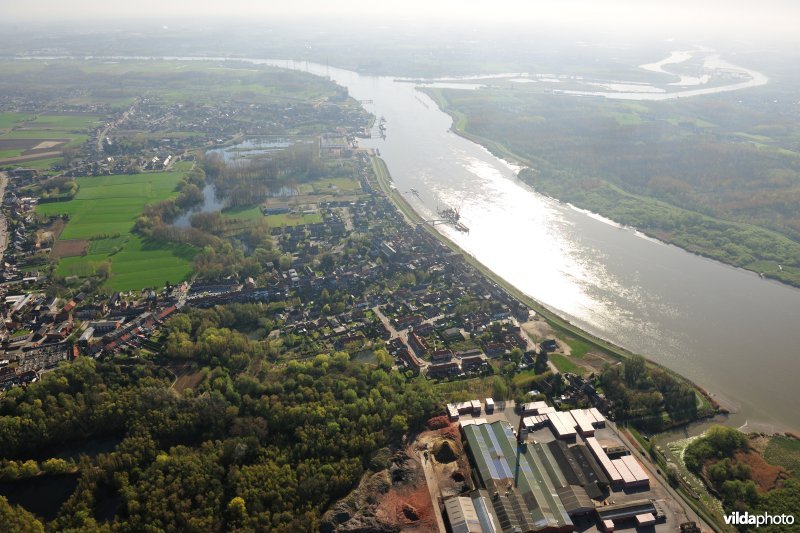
[(526, 485), (565, 424), (625, 471), (462, 515), (471, 407), (608, 467), (638, 513), (579, 468), (544, 486)]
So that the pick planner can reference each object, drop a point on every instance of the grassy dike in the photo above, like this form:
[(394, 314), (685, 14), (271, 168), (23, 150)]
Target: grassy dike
[(558, 323)]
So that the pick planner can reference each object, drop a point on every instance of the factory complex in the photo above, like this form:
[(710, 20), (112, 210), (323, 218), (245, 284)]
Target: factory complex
[(536, 469)]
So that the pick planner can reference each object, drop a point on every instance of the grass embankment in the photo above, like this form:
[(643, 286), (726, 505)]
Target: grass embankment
[(104, 212), (582, 341)]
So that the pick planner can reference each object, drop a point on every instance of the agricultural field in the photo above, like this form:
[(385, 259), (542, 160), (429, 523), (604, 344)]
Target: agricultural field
[(101, 218), (107, 206), (173, 81), (140, 263), (9, 120), (27, 138), (107, 246), (69, 248)]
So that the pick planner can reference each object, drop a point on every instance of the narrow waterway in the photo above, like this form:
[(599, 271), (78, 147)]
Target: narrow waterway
[(730, 331)]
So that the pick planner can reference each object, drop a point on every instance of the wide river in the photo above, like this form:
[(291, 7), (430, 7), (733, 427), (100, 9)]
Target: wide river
[(735, 334)]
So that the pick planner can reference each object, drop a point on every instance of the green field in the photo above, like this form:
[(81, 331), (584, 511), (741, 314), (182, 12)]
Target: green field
[(8, 120), (563, 364), (106, 246), (331, 185), (276, 221), (785, 452), (73, 128), (578, 348), (143, 263), (104, 211), (41, 164), (244, 213), (625, 119), (108, 205), (140, 263), (64, 122)]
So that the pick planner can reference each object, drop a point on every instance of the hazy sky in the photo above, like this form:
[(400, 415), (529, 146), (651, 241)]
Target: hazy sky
[(748, 17)]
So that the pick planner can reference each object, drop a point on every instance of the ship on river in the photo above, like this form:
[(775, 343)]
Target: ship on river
[(452, 216)]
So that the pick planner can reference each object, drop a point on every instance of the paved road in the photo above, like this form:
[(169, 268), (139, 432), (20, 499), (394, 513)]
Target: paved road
[(111, 125), (403, 335)]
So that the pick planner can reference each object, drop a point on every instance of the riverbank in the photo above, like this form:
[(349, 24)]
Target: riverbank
[(756, 249), (560, 325), (557, 322)]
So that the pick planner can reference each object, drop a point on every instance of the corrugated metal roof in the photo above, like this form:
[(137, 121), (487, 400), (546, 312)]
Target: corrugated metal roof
[(603, 459), (623, 470), (636, 468), (503, 465), (490, 523), (462, 516)]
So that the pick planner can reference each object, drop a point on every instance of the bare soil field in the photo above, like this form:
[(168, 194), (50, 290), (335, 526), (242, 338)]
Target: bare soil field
[(69, 248), (19, 144), (407, 505), (32, 149), (445, 453), (31, 145), (398, 498), (47, 144), (538, 330)]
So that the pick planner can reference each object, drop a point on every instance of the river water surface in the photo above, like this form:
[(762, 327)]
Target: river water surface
[(730, 331)]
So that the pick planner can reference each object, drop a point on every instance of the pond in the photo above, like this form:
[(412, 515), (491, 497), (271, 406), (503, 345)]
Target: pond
[(212, 201), (251, 148)]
